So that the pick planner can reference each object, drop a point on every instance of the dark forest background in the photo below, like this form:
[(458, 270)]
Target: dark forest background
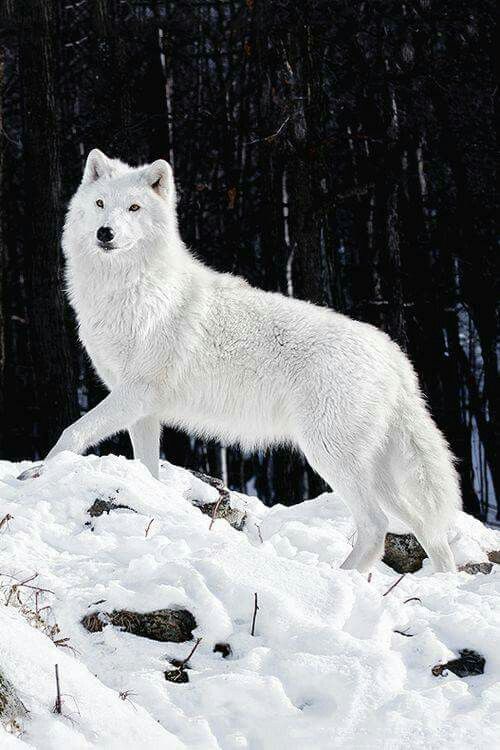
[(342, 152)]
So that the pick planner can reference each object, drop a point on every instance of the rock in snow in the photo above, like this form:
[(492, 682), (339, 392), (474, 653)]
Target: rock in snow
[(403, 553), (475, 568), (468, 663), (222, 507), (325, 668), (174, 625)]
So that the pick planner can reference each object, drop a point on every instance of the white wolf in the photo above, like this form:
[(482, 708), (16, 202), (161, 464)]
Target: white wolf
[(177, 343)]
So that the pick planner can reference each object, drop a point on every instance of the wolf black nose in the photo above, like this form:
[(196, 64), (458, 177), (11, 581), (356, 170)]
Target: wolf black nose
[(105, 234)]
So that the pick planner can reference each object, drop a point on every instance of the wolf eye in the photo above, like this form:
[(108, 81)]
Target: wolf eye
[(134, 207), (99, 203)]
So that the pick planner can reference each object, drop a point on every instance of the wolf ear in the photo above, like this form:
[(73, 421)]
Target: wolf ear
[(97, 165), (159, 176)]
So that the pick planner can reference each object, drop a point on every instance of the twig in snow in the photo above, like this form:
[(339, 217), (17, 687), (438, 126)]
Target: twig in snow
[(214, 514), (259, 532), (125, 696), (224, 493), (350, 539), (413, 599), (183, 663), (58, 704), (5, 520), (394, 585), (64, 643), (369, 577), (26, 583), (255, 608), (148, 527), (28, 580), (404, 632), (15, 586)]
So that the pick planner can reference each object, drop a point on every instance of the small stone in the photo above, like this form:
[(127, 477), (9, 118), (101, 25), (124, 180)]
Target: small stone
[(100, 506), (224, 649), (403, 553), (494, 556), (177, 675), (474, 568), (470, 663)]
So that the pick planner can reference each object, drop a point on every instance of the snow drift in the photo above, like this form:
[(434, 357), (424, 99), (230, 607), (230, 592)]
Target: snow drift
[(325, 668)]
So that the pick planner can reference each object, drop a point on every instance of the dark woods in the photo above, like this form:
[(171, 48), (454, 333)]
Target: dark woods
[(342, 152)]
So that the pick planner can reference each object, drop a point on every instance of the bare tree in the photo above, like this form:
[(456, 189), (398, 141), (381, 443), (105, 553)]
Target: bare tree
[(55, 377)]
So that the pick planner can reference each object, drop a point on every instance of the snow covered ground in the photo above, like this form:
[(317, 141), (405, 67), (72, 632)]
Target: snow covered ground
[(325, 668)]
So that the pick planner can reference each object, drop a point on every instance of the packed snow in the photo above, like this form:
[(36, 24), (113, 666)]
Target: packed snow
[(325, 668)]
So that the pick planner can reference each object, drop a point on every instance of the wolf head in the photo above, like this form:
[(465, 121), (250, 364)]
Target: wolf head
[(120, 211)]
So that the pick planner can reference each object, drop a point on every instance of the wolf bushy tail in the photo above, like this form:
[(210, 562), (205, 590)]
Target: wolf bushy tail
[(428, 485)]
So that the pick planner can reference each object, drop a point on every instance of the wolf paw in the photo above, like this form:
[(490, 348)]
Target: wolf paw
[(32, 473)]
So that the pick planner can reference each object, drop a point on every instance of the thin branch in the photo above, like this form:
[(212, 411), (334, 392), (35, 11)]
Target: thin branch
[(58, 703), (5, 520), (403, 632), (394, 585), (269, 138), (183, 663), (215, 511), (255, 608)]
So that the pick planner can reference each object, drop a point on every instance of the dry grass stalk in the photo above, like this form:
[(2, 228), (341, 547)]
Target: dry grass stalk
[(26, 598)]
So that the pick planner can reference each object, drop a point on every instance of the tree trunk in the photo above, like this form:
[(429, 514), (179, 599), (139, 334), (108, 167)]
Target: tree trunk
[(2, 256), (113, 92), (55, 381)]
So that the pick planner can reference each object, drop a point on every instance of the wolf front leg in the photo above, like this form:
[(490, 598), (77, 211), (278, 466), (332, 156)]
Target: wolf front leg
[(123, 407), (145, 436)]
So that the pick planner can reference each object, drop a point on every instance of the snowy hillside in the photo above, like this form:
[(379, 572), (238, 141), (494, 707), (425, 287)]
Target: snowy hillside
[(325, 668)]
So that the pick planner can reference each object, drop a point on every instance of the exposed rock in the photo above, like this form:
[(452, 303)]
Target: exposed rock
[(469, 663), (224, 649), (100, 506), (236, 518), (494, 556), (403, 553), (175, 625), (12, 709), (473, 568)]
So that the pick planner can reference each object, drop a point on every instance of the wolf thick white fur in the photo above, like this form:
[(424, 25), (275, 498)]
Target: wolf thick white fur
[(177, 343)]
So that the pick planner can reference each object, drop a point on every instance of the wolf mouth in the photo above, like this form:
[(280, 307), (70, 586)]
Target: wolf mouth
[(106, 246)]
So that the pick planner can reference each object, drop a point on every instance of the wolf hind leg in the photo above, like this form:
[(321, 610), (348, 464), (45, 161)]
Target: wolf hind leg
[(145, 437), (353, 481), (372, 525), (429, 531)]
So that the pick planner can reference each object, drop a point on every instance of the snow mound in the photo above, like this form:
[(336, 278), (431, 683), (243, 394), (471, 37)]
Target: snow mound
[(325, 668)]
